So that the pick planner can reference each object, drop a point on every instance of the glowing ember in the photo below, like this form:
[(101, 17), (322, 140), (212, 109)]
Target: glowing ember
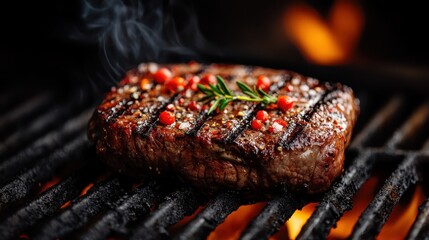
[(49, 184), (85, 189), (236, 222), (175, 227), (321, 41), (65, 205)]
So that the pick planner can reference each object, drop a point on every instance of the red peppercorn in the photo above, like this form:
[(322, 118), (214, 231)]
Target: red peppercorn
[(194, 106), (175, 84), (256, 124), (281, 122), (193, 82), (208, 79), (284, 103), (167, 118), (162, 75), (262, 115), (263, 83)]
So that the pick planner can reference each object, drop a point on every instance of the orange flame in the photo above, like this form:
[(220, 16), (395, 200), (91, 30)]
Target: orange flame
[(321, 41), (402, 217), (396, 227), (236, 222)]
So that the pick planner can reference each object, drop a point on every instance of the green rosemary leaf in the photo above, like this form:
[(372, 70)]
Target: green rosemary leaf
[(224, 103), (205, 90), (214, 106), (205, 98), (215, 89), (247, 90), (223, 86), (263, 93), (221, 95)]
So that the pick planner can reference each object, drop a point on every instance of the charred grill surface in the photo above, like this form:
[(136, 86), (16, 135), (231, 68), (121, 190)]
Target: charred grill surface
[(213, 214), (126, 210), (274, 215), (97, 198), (222, 150), (177, 205), (44, 179)]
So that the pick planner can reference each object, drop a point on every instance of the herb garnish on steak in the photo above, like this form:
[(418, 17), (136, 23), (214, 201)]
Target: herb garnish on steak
[(152, 123)]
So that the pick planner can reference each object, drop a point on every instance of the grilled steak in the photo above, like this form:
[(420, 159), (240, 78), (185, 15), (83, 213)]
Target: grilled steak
[(302, 147)]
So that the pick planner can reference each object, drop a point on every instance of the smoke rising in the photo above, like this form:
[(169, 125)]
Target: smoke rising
[(130, 32)]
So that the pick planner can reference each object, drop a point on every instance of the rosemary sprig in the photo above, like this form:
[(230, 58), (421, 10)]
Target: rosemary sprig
[(222, 95)]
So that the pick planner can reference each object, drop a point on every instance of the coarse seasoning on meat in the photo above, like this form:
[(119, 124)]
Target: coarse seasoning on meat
[(152, 123)]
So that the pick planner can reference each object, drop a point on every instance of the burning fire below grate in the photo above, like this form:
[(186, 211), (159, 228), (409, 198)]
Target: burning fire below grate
[(396, 227), (52, 186)]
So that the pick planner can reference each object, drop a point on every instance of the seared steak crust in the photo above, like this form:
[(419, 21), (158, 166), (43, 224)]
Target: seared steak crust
[(221, 150)]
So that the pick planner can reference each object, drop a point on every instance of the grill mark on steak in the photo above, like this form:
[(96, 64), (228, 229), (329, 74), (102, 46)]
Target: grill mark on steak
[(118, 110), (203, 117), (221, 150), (245, 122), (295, 128), (145, 130)]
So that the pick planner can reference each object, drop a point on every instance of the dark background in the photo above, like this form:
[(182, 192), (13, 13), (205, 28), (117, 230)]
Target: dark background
[(36, 46)]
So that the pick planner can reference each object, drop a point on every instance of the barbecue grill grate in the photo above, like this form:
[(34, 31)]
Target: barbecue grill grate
[(53, 143)]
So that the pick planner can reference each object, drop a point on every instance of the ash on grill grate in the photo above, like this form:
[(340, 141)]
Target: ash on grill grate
[(393, 133)]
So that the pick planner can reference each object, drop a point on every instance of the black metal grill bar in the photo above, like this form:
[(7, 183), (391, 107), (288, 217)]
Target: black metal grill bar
[(39, 125), (338, 199), (420, 227), (274, 215), (127, 210), (24, 112), (9, 98), (46, 204), (20, 186), (79, 213), (212, 215), (376, 214), (9, 167), (379, 120), (177, 205), (410, 127)]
